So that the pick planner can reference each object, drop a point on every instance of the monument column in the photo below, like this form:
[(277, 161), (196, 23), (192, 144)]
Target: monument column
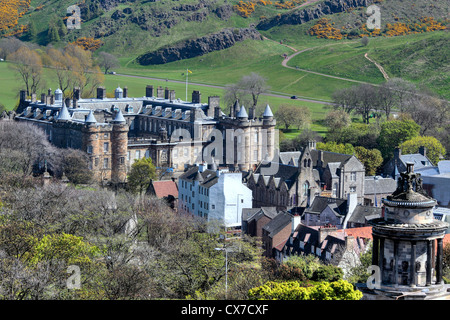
[(439, 262), (413, 264), (429, 264)]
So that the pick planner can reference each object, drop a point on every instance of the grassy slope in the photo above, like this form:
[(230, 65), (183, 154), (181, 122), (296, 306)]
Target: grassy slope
[(341, 58)]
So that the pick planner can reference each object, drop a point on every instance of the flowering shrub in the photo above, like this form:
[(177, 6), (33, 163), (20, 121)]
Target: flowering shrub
[(245, 9), (11, 11), (323, 29), (90, 44)]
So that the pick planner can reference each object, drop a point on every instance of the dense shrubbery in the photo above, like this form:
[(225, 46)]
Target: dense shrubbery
[(325, 29), (294, 290)]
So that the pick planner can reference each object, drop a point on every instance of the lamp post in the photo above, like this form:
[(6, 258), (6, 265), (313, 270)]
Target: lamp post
[(226, 269), (375, 178)]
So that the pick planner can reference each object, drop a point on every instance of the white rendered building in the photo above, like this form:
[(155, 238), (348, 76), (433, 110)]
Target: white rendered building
[(216, 195)]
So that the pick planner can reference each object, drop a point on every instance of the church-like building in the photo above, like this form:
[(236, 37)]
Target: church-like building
[(298, 177)]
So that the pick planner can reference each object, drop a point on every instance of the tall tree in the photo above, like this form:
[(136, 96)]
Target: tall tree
[(395, 132), (293, 115), (141, 174), (435, 150), (107, 61), (28, 64)]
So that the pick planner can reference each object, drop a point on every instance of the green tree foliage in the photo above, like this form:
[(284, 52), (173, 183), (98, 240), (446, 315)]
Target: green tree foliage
[(357, 134), (328, 273), (31, 34), (293, 290), (141, 174), (53, 34), (394, 132), (290, 115), (336, 147), (372, 159), (435, 150), (69, 248)]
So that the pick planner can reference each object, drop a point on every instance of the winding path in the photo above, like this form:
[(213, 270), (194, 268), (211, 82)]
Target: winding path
[(385, 75)]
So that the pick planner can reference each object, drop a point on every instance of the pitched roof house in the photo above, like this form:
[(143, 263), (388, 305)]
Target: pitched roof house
[(341, 247), (254, 219)]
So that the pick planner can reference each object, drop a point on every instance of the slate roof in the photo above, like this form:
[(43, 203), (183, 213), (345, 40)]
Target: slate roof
[(362, 213), (339, 206), (288, 174), (249, 214), (277, 224), (382, 185), (208, 178), (328, 157), (418, 159), (268, 112)]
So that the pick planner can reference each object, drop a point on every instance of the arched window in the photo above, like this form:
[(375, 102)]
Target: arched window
[(306, 188)]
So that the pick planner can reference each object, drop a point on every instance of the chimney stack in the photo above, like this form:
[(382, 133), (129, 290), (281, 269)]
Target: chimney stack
[(196, 96), (149, 91), (101, 93)]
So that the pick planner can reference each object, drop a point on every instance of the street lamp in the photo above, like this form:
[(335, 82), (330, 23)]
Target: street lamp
[(375, 178), (226, 270)]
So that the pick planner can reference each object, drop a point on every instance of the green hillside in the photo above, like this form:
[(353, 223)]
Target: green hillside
[(131, 28)]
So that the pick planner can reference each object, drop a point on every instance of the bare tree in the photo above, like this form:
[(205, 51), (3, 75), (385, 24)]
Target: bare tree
[(27, 63), (9, 45), (107, 61), (247, 90), (255, 85), (345, 99)]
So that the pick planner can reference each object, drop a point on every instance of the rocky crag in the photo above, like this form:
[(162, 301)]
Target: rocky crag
[(200, 46), (315, 12)]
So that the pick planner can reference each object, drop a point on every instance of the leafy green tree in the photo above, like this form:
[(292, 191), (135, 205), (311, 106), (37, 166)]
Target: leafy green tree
[(372, 159), (53, 34), (435, 150), (336, 147), (293, 115), (395, 132), (69, 248), (31, 34), (328, 273), (141, 174)]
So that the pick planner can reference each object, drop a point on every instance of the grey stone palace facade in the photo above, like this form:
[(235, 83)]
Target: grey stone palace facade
[(117, 131)]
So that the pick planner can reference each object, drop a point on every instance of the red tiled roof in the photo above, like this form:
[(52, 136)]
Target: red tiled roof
[(280, 246), (362, 232), (165, 188), (447, 239)]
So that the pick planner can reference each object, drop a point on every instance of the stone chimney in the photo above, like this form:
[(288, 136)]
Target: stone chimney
[(23, 95), (349, 243), (295, 222), (101, 93), (149, 91), (325, 231), (213, 102), (160, 92), (125, 92), (166, 93), (33, 97), (251, 113), (423, 151), (76, 93), (196, 96)]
